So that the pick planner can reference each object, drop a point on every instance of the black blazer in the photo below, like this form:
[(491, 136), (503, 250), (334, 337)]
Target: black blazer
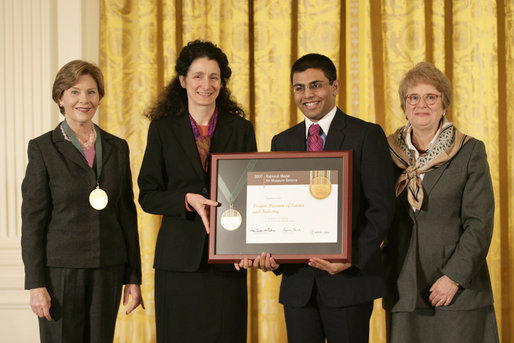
[(372, 213), (59, 226), (171, 168)]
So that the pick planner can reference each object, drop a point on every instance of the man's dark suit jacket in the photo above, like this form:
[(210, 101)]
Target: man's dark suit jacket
[(171, 168), (59, 226), (372, 213)]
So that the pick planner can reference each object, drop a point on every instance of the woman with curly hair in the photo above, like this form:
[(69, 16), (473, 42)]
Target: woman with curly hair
[(193, 117)]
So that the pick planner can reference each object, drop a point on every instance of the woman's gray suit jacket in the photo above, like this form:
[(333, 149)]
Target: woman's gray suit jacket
[(449, 235)]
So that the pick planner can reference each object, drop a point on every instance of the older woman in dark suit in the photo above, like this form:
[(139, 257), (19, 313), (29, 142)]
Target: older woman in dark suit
[(194, 116), (79, 227), (439, 288)]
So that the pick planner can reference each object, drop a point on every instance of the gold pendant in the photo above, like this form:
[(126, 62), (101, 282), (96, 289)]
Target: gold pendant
[(320, 186)]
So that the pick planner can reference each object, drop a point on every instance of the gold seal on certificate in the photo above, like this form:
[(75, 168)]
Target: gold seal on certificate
[(98, 198), (320, 186), (231, 219)]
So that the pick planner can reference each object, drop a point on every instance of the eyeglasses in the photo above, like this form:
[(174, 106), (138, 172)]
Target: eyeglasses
[(430, 99), (313, 86)]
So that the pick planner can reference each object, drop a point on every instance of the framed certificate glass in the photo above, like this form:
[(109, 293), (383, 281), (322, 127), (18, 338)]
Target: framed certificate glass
[(293, 205)]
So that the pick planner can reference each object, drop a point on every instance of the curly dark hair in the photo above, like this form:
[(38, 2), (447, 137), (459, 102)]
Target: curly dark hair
[(173, 98)]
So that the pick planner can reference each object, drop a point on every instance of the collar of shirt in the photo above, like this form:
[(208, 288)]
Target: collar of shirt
[(323, 122)]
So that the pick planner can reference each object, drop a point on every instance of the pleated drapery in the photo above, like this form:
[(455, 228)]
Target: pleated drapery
[(372, 43)]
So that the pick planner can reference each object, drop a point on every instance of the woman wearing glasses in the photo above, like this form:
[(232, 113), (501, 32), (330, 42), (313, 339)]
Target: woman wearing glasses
[(439, 288)]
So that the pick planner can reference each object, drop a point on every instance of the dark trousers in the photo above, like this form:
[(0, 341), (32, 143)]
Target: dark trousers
[(84, 304), (317, 321), (207, 306)]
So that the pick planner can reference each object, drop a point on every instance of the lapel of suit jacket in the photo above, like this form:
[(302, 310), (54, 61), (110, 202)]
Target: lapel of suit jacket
[(107, 147), (336, 135), (298, 139), (429, 181), (186, 138), (222, 133), (68, 150)]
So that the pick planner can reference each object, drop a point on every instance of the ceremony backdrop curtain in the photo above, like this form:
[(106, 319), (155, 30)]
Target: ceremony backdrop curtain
[(373, 43)]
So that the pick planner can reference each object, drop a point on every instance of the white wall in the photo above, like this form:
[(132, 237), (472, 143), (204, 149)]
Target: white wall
[(37, 37)]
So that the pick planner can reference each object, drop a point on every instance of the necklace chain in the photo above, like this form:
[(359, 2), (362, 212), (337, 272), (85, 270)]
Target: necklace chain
[(84, 144)]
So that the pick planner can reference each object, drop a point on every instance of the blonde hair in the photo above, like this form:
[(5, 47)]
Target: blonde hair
[(425, 72)]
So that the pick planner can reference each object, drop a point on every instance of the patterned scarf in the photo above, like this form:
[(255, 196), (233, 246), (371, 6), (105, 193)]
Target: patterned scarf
[(203, 143), (446, 145)]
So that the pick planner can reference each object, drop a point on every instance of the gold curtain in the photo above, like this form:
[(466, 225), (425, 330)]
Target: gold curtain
[(373, 43)]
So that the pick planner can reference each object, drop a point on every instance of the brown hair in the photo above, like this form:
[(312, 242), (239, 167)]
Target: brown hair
[(173, 99), (425, 72), (69, 74)]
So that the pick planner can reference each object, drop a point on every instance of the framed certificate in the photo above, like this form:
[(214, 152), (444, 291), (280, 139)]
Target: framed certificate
[(293, 205)]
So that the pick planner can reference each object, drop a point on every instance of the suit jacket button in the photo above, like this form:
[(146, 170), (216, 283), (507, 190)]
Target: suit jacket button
[(204, 190)]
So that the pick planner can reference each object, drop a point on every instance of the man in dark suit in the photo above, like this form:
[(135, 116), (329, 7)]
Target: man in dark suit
[(324, 300)]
